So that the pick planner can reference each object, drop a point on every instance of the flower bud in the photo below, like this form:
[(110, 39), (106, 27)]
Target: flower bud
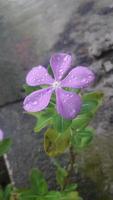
[(1, 135)]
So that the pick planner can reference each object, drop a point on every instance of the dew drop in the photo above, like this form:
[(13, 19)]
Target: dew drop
[(90, 76), (34, 103)]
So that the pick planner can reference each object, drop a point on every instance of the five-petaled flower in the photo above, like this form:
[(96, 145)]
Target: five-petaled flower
[(68, 104), (1, 135)]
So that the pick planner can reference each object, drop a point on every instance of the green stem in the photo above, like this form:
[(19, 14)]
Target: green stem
[(70, 167)]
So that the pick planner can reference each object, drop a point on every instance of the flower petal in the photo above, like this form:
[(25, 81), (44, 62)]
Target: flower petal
[(38, 76), (68, 103), (78, 77), (38, 100), (60, 63), (1, 135)]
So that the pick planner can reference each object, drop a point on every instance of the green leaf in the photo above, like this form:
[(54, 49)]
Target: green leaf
[(61, 175), (38, 183), (70, 187), (29, 89), (53, 195), (89, 106), (91, 102), (5, 145), (49, 70), (95, 96), (82, 139), (71, 196), (55, 143), (61, 124), (1, 194), (81, 121), (27, 194), (8, 191), (44, 119)]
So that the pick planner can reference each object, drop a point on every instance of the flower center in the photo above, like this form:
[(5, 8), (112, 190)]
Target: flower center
[(56, 85)]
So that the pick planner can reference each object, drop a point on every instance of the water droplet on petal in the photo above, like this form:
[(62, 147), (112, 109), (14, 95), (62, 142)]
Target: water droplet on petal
[(34, 103)]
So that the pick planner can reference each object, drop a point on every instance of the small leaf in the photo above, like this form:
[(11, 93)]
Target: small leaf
[(5, 145), (8, 191), (70, 187), (29, 89), (61, 124), (71, 196), (61, 174), (89, 106), (55, 143), (44, 118), (50, 70), (27, 194), (81, 121), (53, 195), (91, 102), (38, 183), (82, 138), (95, 96)]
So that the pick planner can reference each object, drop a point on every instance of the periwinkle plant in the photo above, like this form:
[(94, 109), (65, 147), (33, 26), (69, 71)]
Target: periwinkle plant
[(67, 130)]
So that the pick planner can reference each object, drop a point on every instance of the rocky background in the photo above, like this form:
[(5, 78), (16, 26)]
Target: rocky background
[(30, 31)]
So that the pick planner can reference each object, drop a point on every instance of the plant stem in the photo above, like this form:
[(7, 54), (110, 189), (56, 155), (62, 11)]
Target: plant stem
[(72, 160), (70, 167)]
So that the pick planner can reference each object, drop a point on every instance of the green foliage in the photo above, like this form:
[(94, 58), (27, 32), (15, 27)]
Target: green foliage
[(50, 70), (38, 183), (55, 143), (39, 191), (54, 195), (4, 146), (81, 121), (82, 138), (43, 118), (38, 187), (61, 175), (28, 89), (91, 102), (6, 194), (71, 187), (60, 124)]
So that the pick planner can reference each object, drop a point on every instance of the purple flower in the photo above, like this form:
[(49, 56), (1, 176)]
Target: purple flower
[(1, 135), (68, 104)]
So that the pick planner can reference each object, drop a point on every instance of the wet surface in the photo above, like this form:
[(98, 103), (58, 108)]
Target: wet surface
[(29, 32)]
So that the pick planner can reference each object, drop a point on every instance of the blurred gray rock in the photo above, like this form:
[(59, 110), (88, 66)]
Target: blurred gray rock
[(27, 149), (108, 66)]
